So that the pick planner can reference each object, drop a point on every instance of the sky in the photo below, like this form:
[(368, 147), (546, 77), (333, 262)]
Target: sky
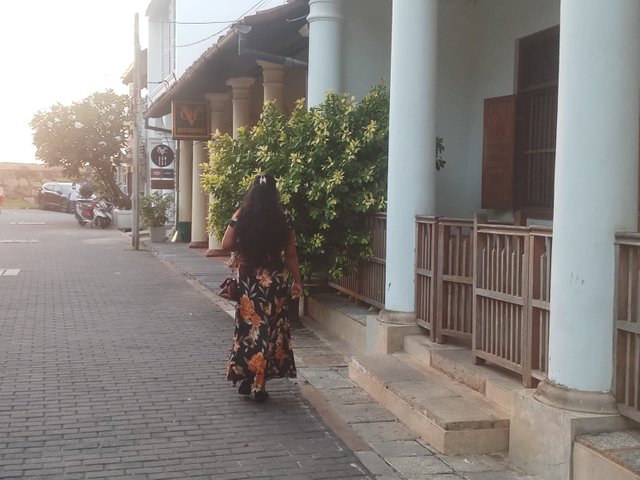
[(65, 50)]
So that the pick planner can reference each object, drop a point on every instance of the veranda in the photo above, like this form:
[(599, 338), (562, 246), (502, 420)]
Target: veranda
[(487, 286)]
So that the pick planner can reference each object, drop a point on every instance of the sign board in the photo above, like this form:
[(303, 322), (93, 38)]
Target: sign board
[(162, 173), (157, 184), (162, 155), (190, 121)]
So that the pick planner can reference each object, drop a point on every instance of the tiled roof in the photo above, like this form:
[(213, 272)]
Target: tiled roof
[(224, 47)]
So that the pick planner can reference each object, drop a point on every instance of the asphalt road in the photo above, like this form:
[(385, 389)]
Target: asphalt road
[(112, 365)]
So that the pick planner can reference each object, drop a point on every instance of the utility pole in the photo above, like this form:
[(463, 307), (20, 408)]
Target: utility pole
[(135, 154)]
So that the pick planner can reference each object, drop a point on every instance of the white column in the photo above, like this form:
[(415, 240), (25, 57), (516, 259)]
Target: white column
[(199, 236), (273, 83), (596, 193), (411, 182), (325, 49), (241, 97), (185, 168), (218, 110)]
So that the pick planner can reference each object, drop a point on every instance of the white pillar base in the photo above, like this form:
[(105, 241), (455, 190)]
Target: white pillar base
[(386, 331), (576, 400)]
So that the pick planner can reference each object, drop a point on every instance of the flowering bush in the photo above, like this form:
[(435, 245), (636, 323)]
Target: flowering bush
[(330, 162)]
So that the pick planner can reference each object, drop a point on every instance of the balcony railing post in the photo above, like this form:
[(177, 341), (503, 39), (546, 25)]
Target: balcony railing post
[(438, 269), (476, 329), (527, 291)]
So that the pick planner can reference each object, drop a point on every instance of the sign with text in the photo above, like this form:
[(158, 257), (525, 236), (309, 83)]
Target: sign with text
[(190, 120)]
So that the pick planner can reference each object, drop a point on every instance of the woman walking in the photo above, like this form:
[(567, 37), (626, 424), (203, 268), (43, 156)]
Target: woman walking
[(265, 245)]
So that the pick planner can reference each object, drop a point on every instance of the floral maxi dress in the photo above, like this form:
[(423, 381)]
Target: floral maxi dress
[(261, 347)]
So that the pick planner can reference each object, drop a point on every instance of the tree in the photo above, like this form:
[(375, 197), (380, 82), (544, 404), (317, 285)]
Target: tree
[(92, 133)]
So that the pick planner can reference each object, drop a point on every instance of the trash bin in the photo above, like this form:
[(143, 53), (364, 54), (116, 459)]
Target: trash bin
[(184, 232)]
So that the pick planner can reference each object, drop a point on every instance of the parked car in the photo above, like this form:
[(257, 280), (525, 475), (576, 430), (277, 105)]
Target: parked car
[(56, 196)]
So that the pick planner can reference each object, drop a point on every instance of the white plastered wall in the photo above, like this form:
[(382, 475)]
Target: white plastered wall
[(366, 45), (476, 60)]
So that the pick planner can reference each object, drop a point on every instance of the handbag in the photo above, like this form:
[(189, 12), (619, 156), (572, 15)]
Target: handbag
[(229, 289)]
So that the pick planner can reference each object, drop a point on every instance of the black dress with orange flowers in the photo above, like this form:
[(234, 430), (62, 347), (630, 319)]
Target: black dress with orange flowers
[(262, 338)]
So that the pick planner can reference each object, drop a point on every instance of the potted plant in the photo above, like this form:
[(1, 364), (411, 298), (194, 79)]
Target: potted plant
[(153, 211)]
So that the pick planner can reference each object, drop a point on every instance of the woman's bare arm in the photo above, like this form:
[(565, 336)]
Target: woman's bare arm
[(229, 238)]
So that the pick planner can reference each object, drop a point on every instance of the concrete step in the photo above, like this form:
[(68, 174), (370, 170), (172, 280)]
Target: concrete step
[(496, 384), (450, 417), (614, 455)]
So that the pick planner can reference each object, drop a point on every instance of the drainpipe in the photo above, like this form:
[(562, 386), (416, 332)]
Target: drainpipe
[(243, 49)]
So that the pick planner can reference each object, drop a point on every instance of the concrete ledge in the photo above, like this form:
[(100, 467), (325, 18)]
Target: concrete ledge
[(339, 323), (452, 419), (607, 455), (384, 337), (495, 384), (591, 465)]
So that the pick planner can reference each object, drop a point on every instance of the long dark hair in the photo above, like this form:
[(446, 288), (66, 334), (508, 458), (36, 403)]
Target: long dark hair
[(262, 231)]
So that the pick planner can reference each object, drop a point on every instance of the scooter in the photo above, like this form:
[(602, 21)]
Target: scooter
[(84, 210), (98, 213), (102, 213)]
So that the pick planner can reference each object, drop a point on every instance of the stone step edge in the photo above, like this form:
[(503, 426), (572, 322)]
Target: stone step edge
[(592, 464), (426, 357), (448, 442), (615, 451)]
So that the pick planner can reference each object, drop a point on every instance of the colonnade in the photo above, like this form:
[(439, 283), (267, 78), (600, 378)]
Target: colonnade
[(228, 111)]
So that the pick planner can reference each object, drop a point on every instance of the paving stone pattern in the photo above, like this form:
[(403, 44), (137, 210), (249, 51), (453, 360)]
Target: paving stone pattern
[(392, 451), (112, 366)]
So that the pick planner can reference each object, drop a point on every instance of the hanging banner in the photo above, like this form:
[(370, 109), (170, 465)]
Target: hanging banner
[(190, 121)]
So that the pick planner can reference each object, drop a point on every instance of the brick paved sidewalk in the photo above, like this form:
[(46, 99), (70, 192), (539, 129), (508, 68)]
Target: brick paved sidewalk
[(113, 366), (385, 446)]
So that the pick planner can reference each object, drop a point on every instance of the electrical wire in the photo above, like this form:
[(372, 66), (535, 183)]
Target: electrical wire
[(258, 5)]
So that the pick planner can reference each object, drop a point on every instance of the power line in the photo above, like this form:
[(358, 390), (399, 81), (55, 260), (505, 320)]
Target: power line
[(259, 4)]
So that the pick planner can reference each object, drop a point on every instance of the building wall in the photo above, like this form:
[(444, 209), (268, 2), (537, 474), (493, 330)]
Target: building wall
[(295, 80), (477, 42), (367, 45), (161, 37), (476, 60)]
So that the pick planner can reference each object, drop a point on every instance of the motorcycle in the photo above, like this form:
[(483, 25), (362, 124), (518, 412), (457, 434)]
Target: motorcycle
[(96, 212), (102, 213), (84, 210)]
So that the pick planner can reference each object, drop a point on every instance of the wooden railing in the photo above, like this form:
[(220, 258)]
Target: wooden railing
[(539, 296), (484, 285), (511, 298), (366, 283), (487, 286), (444, 274), (627, 335)]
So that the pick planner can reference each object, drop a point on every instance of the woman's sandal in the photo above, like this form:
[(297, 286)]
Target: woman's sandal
[(260, 396), (244, 388)]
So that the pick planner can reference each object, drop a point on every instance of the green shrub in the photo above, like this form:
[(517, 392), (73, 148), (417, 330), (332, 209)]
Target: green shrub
[(330, 162)]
